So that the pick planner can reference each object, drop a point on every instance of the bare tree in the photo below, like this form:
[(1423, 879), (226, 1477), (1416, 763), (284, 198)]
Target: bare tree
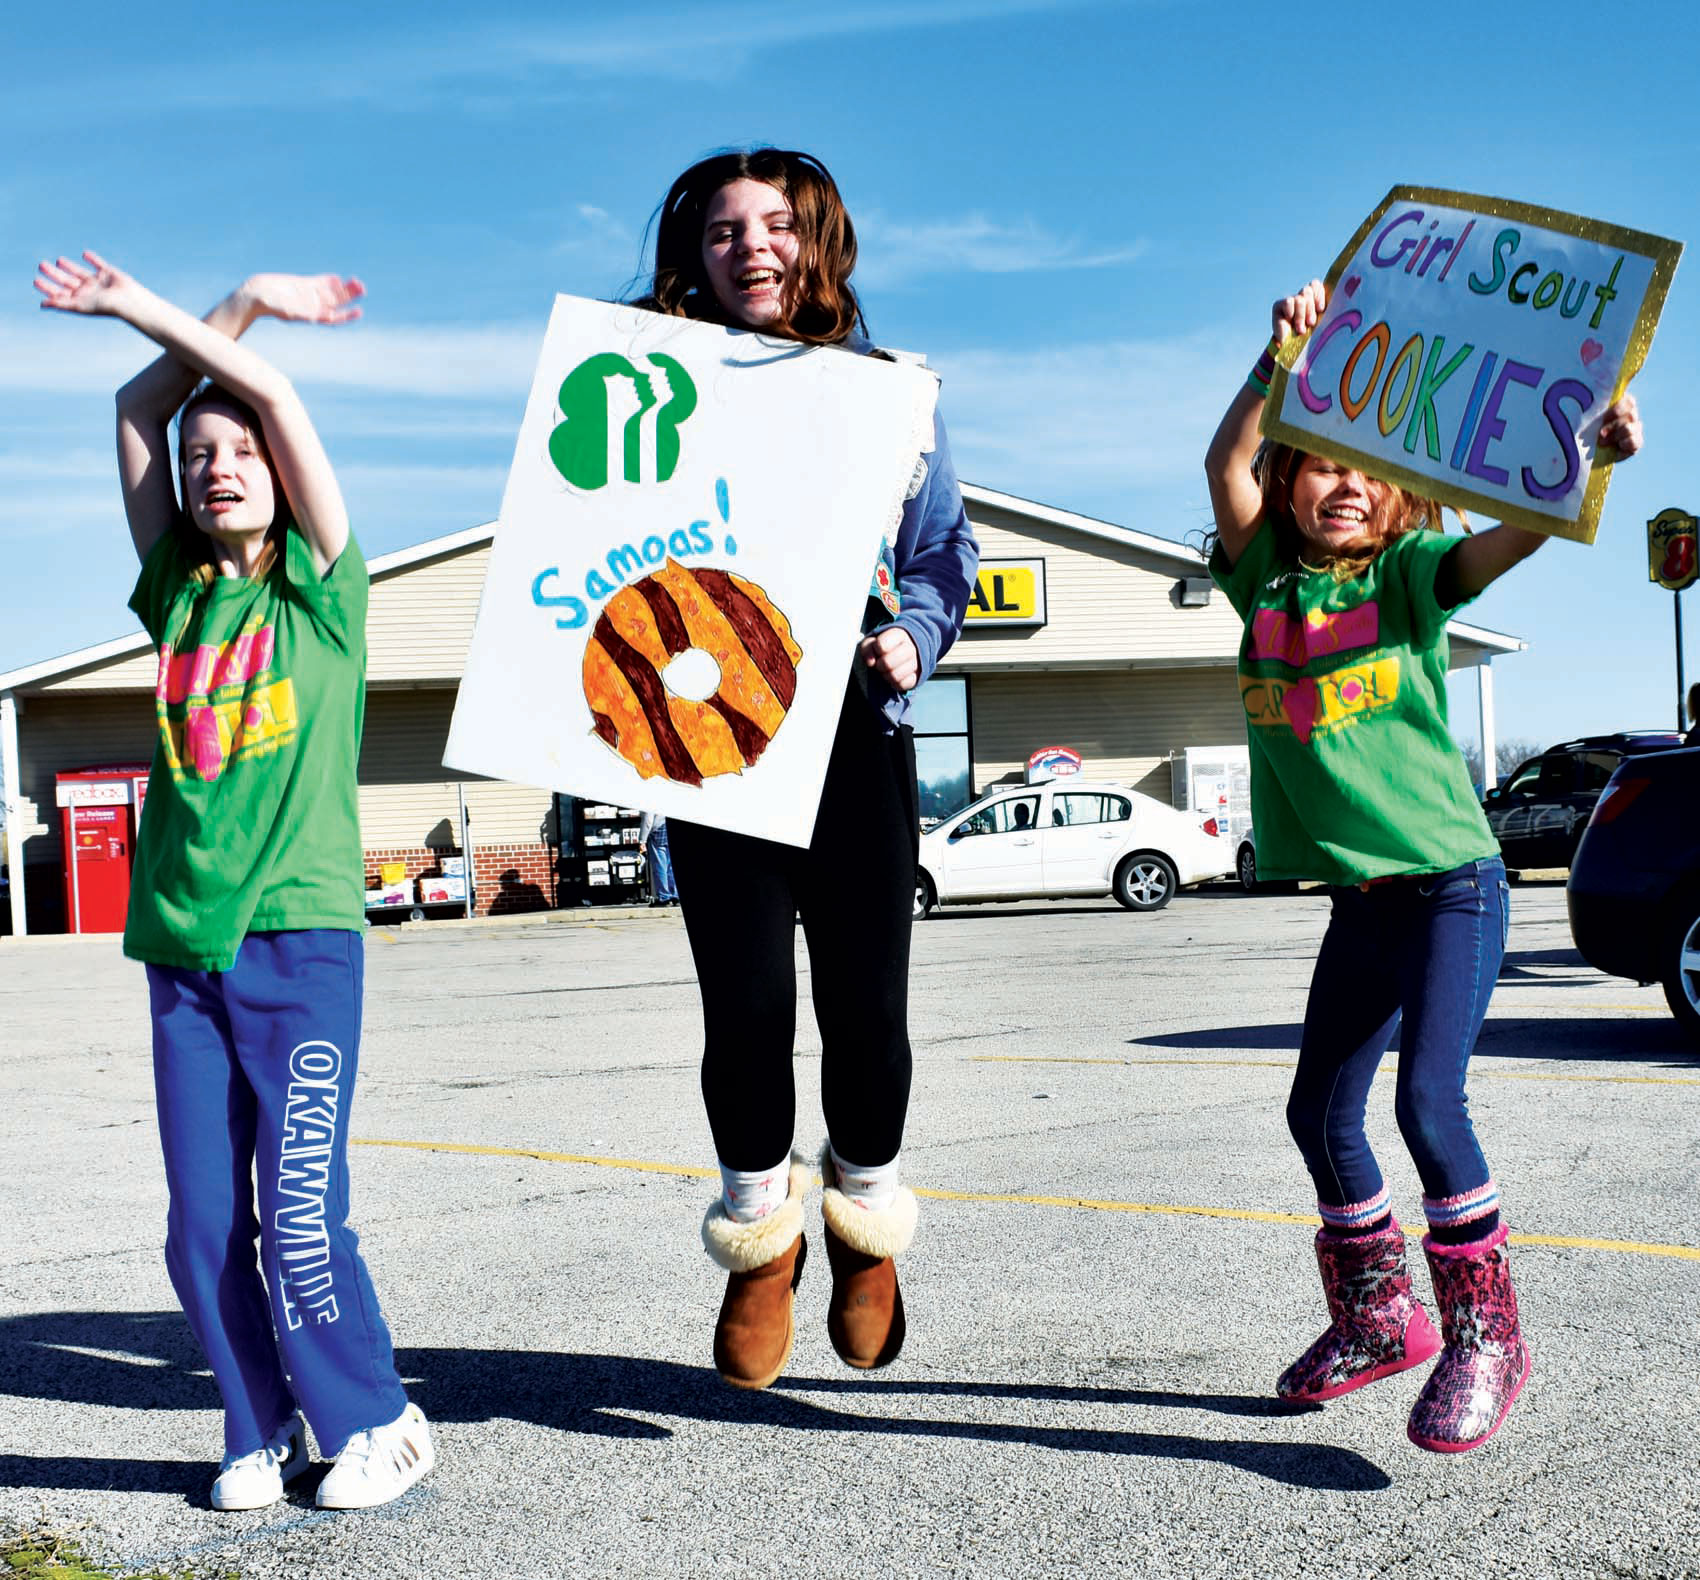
[(1508, 756)]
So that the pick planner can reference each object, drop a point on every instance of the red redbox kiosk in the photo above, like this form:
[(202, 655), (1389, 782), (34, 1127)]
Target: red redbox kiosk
[(99, 809)]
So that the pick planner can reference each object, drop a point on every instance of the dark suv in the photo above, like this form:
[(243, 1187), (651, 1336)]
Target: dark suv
[(1634, 890), (1538, 814)]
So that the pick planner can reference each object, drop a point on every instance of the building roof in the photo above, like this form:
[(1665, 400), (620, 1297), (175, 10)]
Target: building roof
[(400, 560)]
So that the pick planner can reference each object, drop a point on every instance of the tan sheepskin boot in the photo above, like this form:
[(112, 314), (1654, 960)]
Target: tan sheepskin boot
[(752, 1339), (865, 1319)]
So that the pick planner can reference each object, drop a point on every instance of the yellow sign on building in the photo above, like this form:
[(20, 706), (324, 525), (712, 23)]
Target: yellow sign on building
[(1008, 592)]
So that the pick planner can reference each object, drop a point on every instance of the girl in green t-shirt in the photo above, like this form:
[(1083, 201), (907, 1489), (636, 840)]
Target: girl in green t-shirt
[(1345, 584), (245, 903)]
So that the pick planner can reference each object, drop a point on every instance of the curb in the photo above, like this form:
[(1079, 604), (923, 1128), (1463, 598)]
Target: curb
[(565, 917)]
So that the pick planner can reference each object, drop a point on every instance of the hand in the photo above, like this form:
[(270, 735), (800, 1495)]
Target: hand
[(68, 287), (1620, 427), (305, 298), (1298, 314), (892, 655)]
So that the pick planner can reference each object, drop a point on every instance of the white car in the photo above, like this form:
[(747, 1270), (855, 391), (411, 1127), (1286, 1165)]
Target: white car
[(1067, 837)]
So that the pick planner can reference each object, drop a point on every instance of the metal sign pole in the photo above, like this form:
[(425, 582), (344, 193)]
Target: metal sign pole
[(1681, 686), (466, 850)]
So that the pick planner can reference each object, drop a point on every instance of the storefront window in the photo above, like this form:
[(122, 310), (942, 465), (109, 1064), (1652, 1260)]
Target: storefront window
[(943, 763)]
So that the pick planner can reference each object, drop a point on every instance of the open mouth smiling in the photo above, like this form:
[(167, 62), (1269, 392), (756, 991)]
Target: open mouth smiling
[(1342, 520)]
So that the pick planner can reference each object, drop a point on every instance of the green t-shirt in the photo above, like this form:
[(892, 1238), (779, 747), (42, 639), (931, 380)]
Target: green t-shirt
[(252, 820), (1354, 773)]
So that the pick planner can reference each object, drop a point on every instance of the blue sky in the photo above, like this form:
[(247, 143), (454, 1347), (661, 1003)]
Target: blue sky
[(1080, 212)]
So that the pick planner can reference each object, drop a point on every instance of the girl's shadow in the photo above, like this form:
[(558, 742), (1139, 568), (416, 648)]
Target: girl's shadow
[(148, 1361)]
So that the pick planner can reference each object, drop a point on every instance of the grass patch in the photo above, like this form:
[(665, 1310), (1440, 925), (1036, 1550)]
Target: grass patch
[(52, 1555)]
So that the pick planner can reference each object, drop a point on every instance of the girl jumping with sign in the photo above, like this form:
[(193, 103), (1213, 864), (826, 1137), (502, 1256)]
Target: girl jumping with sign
[(246, 900), (1346, 584), (760, 240)]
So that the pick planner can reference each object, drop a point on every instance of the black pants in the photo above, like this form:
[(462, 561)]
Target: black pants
[(854, 888)]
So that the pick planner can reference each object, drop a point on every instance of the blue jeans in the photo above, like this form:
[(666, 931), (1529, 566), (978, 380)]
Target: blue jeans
[(1425, 951), (661, 864), (254, 1075)]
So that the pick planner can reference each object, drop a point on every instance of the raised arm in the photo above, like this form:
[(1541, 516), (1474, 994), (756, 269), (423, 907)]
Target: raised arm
[(1483, 557), (194, 349), (1235, 497)]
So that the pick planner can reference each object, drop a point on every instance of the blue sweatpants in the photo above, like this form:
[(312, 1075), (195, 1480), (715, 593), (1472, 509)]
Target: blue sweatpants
[(254, 1077)]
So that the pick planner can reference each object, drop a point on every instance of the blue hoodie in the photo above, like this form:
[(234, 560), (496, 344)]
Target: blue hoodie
[(936, 558)]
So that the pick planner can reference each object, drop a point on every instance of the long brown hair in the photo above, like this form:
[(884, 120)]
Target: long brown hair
[(1398, 511), (820, 306), (197, 546)]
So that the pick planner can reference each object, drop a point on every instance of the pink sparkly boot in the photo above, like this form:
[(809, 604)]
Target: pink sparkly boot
[(1486, 1361), (1376, 1327)]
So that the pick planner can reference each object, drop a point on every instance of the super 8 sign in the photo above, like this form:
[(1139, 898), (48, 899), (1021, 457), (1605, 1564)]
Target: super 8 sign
[(1469, 349), (1671, 559)]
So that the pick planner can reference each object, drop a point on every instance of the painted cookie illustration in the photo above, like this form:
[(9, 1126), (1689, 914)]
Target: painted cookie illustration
[(673, 611)]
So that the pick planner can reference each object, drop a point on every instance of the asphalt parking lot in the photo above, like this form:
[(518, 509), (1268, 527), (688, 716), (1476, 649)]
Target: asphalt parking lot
[(1113, 1264)]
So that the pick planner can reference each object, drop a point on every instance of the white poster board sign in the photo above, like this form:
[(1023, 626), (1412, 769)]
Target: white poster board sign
[(681, 565), (1468, 350)]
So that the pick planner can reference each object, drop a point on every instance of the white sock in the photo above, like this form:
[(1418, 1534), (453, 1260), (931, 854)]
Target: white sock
[(873, 1189), (748, 1196)]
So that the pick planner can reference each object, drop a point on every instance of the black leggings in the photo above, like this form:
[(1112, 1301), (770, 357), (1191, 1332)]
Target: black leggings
[(854, 887)]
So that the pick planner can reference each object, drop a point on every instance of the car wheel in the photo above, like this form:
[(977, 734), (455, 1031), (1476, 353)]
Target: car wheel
[(925, 899), (1682, 981), (1145, 882), (1246, 866)]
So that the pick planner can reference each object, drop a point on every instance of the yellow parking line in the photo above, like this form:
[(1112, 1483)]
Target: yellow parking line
[(641, 1165), (1477, 1073), (1079, 1203)]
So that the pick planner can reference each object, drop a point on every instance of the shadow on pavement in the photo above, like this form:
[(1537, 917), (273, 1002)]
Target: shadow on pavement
[(1598, 1040), (1519, 964), (148, 1361)]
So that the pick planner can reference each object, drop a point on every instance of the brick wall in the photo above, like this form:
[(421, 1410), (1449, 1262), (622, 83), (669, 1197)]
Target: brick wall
[(509, 878)]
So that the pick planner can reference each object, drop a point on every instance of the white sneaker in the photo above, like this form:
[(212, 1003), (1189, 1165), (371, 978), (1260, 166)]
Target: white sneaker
[(255, 1481), (379, 1464)]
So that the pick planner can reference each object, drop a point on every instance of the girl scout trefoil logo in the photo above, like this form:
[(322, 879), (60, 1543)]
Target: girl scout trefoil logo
[(609, 406)]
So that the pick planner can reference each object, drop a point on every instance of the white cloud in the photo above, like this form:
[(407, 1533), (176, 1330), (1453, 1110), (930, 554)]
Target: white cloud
[(431, 481), (510, 61), (1094, 426), (70, 465), (466, 361), (42, 512), (42, 354), (346, 416), (893, 252), (598, 232)]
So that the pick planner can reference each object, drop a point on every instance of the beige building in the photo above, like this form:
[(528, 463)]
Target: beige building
[(1084, 634)]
